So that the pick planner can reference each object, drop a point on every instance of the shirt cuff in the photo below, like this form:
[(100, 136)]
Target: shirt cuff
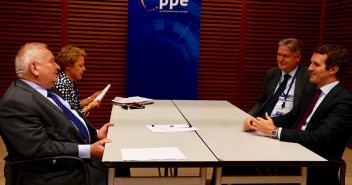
[(279, 134), (84, 151)]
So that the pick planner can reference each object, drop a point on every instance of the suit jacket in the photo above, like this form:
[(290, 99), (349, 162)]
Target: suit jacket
[(32, 127), (271, 80), (327, 132)]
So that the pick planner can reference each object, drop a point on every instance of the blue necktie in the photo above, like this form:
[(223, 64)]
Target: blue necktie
[(80, 126), (270, 106)]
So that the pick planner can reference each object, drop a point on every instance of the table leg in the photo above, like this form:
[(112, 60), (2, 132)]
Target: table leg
[(304, 171), (203, 176), (111, 176), (218, 174)]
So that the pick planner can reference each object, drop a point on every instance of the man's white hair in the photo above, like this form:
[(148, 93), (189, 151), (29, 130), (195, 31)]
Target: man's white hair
[(28, 53)]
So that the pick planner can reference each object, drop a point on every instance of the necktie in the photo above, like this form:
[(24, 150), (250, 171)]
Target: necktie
[(309, 110), (270, 106), (80, 126)]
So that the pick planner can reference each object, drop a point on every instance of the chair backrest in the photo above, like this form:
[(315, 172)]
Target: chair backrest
[(53, 163)]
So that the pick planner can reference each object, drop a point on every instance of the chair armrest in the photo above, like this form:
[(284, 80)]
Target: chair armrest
[(342, 165), (53, 160)]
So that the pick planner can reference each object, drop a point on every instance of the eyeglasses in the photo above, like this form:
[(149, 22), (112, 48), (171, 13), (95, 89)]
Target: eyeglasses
[(133, 106)]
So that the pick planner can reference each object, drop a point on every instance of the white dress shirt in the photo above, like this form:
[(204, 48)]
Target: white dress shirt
[(278, 110)]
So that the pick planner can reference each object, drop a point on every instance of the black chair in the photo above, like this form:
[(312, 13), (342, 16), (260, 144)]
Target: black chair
[(11, 166), (342, 165)]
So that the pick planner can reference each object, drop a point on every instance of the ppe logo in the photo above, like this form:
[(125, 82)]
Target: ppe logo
[(151, 5), (172, 3)]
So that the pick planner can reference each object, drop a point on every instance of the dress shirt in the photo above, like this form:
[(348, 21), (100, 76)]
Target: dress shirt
[(289, 100), (83, 150), (324, 91)]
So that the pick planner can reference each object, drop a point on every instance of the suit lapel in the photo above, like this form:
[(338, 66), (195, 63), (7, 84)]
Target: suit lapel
[(298, 86), (37, 96), (91, 129), (272, 86), (324, 104)]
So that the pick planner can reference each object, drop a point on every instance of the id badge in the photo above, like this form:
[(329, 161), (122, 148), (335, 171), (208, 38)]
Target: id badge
[(278, 113)]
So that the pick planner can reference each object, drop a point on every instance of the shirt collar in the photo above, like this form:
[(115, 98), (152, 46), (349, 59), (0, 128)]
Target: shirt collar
[(327, 88), (292, 73), (37, 87)]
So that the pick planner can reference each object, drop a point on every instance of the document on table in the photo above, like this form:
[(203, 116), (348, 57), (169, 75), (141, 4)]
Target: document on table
[(172, 128), (152, 154)]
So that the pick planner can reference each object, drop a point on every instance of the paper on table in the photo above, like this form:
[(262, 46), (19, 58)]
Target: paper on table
[(102, 94), (133, 99), (171, 128), (146, 154)]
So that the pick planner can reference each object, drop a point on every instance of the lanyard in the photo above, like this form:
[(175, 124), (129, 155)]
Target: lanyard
[(293, 79)]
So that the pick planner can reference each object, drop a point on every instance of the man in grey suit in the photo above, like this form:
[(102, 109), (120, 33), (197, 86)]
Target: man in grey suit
[(288, 56), (33, 125), (322, 120)]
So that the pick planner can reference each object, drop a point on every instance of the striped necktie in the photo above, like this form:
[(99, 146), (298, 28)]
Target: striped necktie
[(79, 125)]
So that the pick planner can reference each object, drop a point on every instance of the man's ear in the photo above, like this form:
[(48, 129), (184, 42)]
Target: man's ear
[(334, 69), (33, 66), (298, 57)]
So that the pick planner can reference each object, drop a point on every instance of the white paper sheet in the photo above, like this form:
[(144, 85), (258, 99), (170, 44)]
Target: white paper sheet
[(152, 154), (102, 94), (171, 128)]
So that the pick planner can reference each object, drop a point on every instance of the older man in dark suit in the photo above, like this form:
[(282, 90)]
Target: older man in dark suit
[(322, 121), (278, 96), (37, 122)]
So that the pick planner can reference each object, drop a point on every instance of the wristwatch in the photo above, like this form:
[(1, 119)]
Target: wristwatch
[(275, 133)]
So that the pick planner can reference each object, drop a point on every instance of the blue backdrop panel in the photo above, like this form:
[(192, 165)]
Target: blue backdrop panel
[(163, 48)]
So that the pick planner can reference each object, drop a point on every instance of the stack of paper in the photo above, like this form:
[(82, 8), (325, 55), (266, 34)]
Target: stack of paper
[(132, 100)]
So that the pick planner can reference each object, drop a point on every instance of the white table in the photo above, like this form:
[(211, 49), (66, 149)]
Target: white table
[(130, 132), (220, 126)]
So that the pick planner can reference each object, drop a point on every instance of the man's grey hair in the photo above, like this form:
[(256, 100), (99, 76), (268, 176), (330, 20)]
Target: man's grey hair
[(295, 45), (28, 53)]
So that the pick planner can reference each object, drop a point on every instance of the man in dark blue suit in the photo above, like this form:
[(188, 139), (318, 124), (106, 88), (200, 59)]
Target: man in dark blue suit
[(322, 121)]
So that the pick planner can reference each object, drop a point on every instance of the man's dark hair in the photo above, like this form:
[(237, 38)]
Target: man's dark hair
[(337, 56)]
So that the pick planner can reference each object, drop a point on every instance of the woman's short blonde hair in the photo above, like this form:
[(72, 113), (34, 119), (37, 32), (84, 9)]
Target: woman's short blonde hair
[(68, 56)]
